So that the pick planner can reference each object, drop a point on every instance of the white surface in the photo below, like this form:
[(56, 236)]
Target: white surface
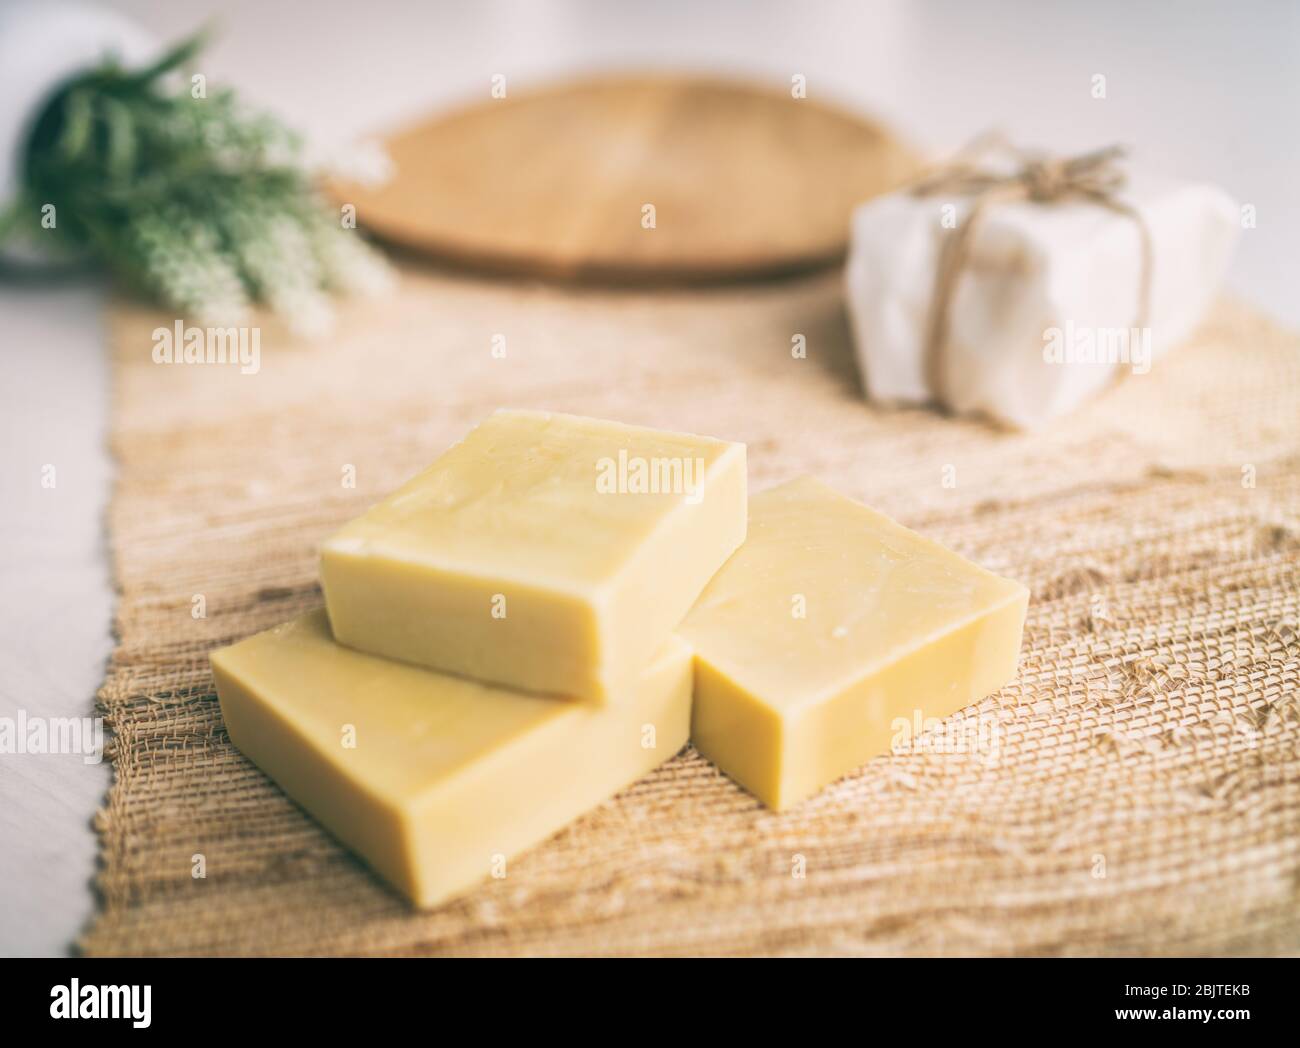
[(1075, 267), (55, 603), (1208, 91)]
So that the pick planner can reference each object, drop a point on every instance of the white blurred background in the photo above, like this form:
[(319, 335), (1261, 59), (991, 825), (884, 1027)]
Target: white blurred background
[(1199, 88), (1203, 90)]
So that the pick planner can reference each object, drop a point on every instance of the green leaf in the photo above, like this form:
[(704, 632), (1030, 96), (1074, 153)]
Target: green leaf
[(78, 123), (11, 217), (120, 158), (173, 59)]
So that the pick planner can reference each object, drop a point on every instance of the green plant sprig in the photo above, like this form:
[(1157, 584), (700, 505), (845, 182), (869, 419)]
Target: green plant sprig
[(186, 197)]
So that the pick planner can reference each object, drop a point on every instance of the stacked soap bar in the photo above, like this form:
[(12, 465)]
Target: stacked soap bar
[(829, 626), (544, 552), (437, 779), (435, 720), (499, 653)]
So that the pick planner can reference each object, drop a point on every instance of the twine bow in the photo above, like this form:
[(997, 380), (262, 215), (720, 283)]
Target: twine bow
[(1095, 177)]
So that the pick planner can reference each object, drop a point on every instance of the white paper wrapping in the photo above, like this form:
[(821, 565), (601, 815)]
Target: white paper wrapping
[(1041, 314)]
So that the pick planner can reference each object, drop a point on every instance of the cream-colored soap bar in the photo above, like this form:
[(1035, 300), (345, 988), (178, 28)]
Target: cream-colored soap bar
[(829, 625), (545, 552), (432, 778)]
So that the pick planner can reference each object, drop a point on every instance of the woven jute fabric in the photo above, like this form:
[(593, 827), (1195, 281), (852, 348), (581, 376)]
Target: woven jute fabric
[(1141, 793)]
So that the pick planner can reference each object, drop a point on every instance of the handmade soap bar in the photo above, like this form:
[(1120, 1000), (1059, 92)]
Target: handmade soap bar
[(831, 623), (433, 779), (1045, 311), (546, 552)]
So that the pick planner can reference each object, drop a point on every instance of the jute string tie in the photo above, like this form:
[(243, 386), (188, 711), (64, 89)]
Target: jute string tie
[(1095, 177)]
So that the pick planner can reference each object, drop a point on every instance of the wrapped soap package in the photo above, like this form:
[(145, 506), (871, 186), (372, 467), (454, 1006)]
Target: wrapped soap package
[(1048, 305)]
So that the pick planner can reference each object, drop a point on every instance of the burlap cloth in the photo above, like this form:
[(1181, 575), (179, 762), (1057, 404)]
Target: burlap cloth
[(1145, 793)]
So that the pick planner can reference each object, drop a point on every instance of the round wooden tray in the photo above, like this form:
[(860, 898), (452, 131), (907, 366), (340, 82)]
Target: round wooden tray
[(743, 181)]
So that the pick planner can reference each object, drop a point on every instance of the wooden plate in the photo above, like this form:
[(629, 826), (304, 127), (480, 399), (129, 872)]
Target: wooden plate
[(744, 181)]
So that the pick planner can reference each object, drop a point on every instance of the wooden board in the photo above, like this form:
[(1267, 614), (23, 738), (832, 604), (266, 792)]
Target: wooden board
[(744, 181)]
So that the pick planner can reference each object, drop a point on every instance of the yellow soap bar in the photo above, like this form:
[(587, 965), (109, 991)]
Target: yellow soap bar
[(545, 552), (829, 627), (434, 780)]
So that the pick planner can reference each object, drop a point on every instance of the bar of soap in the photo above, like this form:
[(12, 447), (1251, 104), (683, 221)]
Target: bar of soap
[(1044, 310), (436, 780), (829, 623), (545, 552)]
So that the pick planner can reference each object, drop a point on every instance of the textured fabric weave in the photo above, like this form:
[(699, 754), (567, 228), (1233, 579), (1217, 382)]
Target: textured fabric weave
[(1143, 792)]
